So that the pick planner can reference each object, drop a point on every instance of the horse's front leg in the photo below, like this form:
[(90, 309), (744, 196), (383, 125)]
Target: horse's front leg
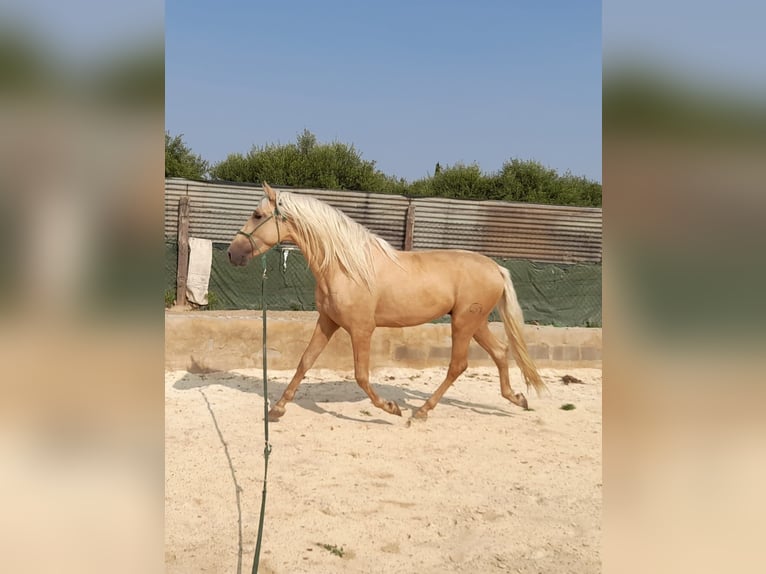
[(360, 341), (323, 332)]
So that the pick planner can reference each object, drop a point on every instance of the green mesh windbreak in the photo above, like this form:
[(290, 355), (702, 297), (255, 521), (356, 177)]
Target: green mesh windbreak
[(549, 293)]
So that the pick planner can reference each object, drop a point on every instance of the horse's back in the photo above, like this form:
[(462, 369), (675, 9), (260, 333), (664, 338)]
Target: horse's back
[(452, 264), (470, 272)]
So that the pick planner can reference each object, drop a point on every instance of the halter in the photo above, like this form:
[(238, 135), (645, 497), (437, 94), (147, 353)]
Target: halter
[(276, 216)]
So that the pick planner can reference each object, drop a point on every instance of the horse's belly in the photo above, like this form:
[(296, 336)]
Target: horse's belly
[(406, 321), (410, 311)]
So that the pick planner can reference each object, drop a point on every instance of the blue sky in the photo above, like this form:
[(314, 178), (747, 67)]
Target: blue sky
[(713, 42), (409, 83)]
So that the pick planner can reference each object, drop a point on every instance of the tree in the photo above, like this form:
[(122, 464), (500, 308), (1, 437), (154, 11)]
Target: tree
[(311, 164), (518, 180), (307, 163), (180, 161)]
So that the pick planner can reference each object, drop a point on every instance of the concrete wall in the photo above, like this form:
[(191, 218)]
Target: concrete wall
[(205, 341)]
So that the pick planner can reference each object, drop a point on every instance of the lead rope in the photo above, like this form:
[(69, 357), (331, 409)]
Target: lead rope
[(267, 445)]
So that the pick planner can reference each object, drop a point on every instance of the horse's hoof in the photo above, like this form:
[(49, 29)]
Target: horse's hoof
[(420, 415), (393, 408), (276, 413), (522, 401)]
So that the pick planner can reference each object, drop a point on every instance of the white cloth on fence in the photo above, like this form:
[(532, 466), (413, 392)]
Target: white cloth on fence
[(198, 277)]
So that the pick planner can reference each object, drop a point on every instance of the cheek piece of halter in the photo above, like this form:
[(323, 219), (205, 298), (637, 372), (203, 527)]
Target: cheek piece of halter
[(276, 216)]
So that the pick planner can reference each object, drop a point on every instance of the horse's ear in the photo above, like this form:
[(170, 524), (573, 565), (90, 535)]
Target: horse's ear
[(270, 193)]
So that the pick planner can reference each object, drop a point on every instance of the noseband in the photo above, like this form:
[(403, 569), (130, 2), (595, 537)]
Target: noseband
[(276, 216)]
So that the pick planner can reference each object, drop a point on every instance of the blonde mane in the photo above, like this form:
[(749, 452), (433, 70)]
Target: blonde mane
[(329, 235)]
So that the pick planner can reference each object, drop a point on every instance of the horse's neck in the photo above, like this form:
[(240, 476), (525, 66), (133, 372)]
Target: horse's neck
[(310, 256), (323, 277)]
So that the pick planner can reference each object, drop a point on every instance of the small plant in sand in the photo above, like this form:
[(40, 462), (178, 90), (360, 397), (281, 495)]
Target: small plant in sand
[(212, 300), (567, 407), (332, 548)]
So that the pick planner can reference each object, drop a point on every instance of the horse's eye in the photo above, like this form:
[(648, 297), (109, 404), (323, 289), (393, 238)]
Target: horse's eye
[(257, 214)]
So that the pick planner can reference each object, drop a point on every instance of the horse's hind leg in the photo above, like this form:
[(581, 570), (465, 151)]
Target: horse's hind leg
[(499, 353), (461, 337), (323, 332)]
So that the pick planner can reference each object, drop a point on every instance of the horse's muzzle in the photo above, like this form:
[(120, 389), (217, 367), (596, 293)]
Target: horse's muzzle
[(238, 259)]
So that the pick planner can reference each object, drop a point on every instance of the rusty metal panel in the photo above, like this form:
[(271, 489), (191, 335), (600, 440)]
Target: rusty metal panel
[(383, 214), (219, 210), (504, 229), (495, 228)]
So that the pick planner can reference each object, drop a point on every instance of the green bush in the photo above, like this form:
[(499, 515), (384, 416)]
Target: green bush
[(307, 163), (180, 161)]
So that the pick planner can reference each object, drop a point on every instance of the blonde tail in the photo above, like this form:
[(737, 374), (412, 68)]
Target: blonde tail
[(513, 321)]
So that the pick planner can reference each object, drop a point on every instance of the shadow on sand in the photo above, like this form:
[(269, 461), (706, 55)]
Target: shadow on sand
[(319, 397)]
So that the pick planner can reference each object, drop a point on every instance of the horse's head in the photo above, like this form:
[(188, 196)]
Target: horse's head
[(263, 230)]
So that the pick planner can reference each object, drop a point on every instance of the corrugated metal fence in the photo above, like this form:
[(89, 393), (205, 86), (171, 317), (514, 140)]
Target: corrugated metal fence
[(495, 228)]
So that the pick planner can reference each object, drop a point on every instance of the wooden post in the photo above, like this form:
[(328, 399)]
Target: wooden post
[(409, 227), (183, 250)]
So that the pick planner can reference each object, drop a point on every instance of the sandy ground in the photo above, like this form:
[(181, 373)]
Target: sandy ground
[(482, 486)]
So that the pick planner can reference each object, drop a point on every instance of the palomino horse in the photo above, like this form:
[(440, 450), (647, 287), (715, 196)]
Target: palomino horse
[(362, 282)]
